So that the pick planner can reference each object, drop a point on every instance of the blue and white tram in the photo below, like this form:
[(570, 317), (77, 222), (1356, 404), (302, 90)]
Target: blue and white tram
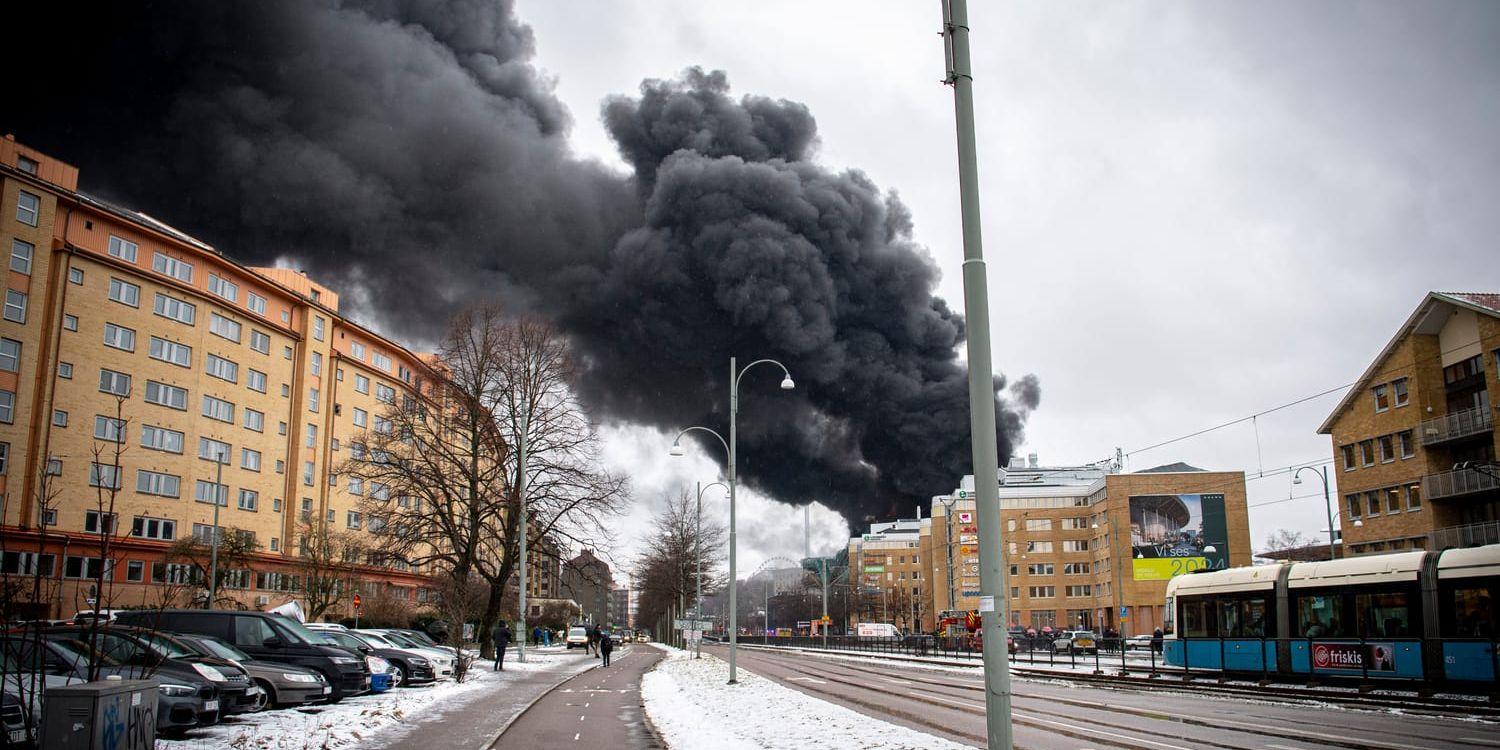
[(1415, 615)]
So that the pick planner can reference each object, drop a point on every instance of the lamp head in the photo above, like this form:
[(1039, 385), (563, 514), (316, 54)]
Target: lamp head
[(1297, 479), (787, 384), (1210, 548), (1358, 523), (676, 449)]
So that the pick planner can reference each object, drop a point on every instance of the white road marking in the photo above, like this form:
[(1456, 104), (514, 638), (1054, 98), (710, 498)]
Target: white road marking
[(580, 718), (1480, 741), (897, 682), (1282, 747), (576, 736), (813, 680)]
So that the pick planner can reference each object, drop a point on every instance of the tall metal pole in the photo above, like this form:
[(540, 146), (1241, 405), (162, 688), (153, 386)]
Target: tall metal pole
[(1328, 504), (698, 579), (993, 600), (521, 501), (734, 612), (213, 573)]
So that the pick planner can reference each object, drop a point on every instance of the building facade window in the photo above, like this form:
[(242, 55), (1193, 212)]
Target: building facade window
[(169, 266), (169, 396), (125, 293), (1382, 397), (10, 355), (256, 303), (214, 450), (145, 527), (255, 380), (221, 368), (116, 383), (123, 249), (171, 352), (218, 409), (28, 208), (1399, 392), (15, 306), (260, 341), (119, 337), (21, 254), (158, 483), (223, 327), (109, 429), (175, 309), (161, 439), (208, 492), (255, 421), (249, 459), (223, 287)]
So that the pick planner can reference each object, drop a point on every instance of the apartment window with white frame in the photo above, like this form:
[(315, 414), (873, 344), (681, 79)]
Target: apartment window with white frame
[(317, 328), (218, 409), (1382, 397), (28, 207), (123, 249), (169, 396), (177, 269), (312, 436), (255, 380), (175, 309), (317, 363), (223, 327), (385, 394), (223, 287), (214, 450), (95, 522), (15, 306), (161, 439), (117, 383), (352, 519), (380, 361), (119, 337), (70, 322), (65, 370), (145, 527), (1043, 592), (21, 254), (1075, 545), (171, 351), (104, 475), (75, 276), (382, 426), (1408, 446), (208, 492), (221, 368), (312, 399), (255, 421), (357, 350), (249, 500), (59, 418), (260, 341), (1039, 546), (308, 469), (10, 355), (29, 166), (256, 303), (109, 429), (158, 483), (249, 459), (124, 292), (356, 485), (361, 384)]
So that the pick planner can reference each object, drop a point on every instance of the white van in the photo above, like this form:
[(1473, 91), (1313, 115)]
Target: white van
[(876, 630)]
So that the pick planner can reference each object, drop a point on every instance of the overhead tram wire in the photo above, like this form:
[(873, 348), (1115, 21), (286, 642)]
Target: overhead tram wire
[(1289, 404)]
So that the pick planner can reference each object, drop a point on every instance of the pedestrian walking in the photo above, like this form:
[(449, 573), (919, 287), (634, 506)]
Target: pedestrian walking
[(536, 636), (501, 637), (606, 645), (594, 640)]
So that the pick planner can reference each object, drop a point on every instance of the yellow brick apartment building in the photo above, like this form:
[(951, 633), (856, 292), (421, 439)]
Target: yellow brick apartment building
[(1414, 440), (122, 333)]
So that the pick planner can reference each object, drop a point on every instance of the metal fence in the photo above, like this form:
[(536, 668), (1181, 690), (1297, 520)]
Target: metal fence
[(1115, 655)]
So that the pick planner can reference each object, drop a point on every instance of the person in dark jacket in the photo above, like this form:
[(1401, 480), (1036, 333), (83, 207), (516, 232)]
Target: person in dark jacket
[(536, 636), (594, 640), (606, 645), (501, 636), (1156, 640)]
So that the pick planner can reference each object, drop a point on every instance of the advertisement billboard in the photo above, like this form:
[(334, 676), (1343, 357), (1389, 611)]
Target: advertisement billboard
[(1355, 657), (1175, 534)]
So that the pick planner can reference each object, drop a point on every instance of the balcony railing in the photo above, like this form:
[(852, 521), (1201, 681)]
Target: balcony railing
[(1461, 482), (1457, 425), (1472, 535)]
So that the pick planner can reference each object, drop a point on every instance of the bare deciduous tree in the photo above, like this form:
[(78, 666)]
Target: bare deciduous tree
[(666, 570), (326, 562)]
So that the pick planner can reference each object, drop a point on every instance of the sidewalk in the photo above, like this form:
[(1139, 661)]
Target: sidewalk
[(475, 724), (598, 709)]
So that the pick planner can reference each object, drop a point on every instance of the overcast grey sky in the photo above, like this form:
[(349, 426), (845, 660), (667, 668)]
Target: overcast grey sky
[(1192, 211)]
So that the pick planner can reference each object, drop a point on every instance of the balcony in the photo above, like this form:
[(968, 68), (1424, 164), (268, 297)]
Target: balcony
[(1472, 535), (1457, 426), (1460, 482)]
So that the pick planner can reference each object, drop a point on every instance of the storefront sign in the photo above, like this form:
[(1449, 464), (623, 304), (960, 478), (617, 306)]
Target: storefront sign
[(966, 517)]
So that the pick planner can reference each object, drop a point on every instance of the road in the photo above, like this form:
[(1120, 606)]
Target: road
[(600, 708), (1058, 715)]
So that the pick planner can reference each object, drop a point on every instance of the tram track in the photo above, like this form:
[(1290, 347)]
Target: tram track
[(1040, 713)]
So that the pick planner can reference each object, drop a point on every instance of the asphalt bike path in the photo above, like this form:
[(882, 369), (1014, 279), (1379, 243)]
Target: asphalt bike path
[(600, 708), (1055, 714)]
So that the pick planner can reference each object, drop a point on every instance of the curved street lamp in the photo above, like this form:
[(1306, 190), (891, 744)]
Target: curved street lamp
[(735, 373), (1322, 473)]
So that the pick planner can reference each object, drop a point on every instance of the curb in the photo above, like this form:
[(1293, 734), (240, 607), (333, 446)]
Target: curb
[(490, 743), (651, 725)]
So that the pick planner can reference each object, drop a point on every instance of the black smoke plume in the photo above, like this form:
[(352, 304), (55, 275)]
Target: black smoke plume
[(409, 153)]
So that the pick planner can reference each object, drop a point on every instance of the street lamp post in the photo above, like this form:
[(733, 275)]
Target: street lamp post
[(729, 447), (521, 501), (1322, 473), (213, 566)]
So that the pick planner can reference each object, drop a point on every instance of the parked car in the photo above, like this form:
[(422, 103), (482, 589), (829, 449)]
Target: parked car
[(1076, 641), (280, 684), (441, 660), (414, 639), (19, 724), (642, 637), (131, 645), (87, 616), (578, 636), (185, 698), (1138, 642), (268, 637), (409, 667)]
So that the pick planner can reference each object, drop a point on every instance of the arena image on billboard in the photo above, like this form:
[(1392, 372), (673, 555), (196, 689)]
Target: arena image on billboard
[(1175, 534)]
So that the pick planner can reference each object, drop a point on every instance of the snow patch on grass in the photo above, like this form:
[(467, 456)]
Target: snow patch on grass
[(690, 703)]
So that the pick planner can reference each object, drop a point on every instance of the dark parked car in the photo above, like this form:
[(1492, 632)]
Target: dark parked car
[(185, 698), (18, 727), (267, 637), (129, 645), (280, 684), (411, 667)]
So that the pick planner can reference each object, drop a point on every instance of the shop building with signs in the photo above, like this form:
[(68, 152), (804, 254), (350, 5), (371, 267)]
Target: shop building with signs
[(1414, 441), (1084, 546)]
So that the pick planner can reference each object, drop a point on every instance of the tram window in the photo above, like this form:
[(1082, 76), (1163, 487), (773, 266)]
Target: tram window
[(1384, 615), (1473, 614), (1255, 618), (1319, 616), (1198, 619)]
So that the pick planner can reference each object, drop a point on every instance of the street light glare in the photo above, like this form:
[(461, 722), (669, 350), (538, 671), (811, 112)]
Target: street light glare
[(787, 384)]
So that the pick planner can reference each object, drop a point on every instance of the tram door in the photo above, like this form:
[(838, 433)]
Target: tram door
[(1468, 615)]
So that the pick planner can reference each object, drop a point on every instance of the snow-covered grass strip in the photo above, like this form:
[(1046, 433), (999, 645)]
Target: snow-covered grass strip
[(692, 707), (363, 720)]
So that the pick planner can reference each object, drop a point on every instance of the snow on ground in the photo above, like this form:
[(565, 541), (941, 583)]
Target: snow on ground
[(690, 704), (356, 722)]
